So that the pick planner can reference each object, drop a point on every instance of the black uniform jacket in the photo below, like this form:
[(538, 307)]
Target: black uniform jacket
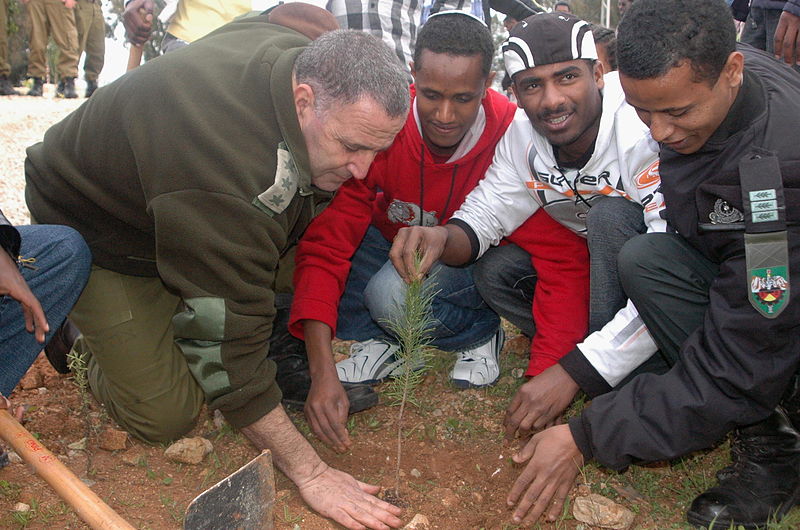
[(736, 366)]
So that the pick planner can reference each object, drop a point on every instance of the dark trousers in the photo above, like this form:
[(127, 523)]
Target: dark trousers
[(668, 281), (506, 279)]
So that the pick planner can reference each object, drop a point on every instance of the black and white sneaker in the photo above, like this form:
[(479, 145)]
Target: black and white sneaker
[(370, 361), (479, 366)]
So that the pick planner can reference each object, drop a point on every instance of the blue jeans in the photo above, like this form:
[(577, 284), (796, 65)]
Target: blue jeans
[(374, 291), (61, 269)]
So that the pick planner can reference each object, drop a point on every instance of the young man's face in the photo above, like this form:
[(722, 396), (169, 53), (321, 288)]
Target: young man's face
[(681, 111), (450, 90), (343, 141), (562, 101)]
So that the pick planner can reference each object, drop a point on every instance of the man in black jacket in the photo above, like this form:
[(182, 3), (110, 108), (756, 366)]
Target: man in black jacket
[(715, 296)]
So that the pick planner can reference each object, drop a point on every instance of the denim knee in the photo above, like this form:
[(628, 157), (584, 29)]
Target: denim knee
[(385, 295), (75, 251)]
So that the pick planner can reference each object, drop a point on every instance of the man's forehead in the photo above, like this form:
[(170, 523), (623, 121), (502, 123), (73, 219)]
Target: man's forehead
[(547, 70)]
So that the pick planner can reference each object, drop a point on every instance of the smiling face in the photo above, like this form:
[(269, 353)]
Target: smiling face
[(682, 111), (450, 89), (562, 101), (343, 140)]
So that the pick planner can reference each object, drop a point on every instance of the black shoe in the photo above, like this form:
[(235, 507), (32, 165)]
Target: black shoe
[(66, 88), (761, 485), (38, 87), (91, 86), (293, 377), (6, 88), (60, 345)]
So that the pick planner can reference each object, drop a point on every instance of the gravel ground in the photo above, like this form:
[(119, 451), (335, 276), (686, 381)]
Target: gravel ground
[(23, 121)]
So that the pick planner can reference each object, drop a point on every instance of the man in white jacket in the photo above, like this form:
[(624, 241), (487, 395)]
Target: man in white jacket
[(574, 146)]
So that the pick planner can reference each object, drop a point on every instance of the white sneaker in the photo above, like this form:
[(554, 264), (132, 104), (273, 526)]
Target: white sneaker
[(370, 361), (479, 366)]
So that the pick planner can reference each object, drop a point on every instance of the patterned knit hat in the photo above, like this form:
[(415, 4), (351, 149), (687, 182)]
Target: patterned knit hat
[(547, 38)]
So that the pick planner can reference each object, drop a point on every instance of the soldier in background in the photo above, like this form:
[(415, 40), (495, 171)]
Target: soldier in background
[(6, 88), (54, 18), (91, 39)]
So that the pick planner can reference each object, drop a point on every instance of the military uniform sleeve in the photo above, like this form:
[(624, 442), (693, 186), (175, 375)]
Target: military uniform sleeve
[(732, 371), (220, 254)]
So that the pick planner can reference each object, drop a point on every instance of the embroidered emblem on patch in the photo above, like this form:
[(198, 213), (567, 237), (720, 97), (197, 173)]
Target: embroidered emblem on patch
[(278, 196), (407, 213), (768, 287), (724, 213)]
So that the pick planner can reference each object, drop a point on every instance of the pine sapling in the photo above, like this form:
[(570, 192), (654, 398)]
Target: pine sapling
[(412, 325)]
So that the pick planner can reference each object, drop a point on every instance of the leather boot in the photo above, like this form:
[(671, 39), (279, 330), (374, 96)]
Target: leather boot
[(60, 345), (763, 482), (293, 376), (91, 86), (6, 88), (66, 88), (38, 87)]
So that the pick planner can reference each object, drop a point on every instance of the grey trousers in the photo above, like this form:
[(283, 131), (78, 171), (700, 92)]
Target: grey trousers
[(506, 279)]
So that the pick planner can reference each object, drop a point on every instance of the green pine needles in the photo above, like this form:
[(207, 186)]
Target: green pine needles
[(411, 325)]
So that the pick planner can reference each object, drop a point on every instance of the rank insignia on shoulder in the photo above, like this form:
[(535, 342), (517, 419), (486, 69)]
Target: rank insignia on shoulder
[(724, 213), (769, 289), (278, 196)]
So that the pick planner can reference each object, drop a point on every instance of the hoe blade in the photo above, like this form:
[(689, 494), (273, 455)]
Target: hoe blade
[(242, 500)]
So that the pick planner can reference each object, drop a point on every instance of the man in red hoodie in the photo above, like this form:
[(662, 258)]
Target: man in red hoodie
[(345, 284)]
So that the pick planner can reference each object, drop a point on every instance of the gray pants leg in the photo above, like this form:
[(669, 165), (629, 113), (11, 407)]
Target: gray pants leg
[(668, 281), (506, 281), (610, 223)]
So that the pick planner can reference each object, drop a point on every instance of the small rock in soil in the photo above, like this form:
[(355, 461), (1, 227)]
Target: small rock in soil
[(600, 511), (133, 456), (517, 372), (189, 450), (80, 445), (32, 379), (519, 346), (113, 439), (14, 458), (41, 390), (437, 412), (506, 380), (419, 522), (219, 419), (448, 498), (477, 496), (22, 507), (416, 473)]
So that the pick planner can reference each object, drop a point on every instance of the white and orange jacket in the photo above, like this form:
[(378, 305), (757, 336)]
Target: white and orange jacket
[(525, 177)]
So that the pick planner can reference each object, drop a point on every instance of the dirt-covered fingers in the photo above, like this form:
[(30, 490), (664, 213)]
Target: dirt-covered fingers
[(372, 490), (326, 412)]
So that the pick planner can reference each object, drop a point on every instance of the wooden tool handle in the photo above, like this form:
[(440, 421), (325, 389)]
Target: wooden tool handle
[(134, 56), (83, 500)]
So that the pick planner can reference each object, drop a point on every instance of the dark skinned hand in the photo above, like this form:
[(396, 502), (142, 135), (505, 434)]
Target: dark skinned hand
[(539, 402)]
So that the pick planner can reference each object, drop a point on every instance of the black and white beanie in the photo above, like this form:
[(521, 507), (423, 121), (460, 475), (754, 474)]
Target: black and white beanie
[(547, 38)]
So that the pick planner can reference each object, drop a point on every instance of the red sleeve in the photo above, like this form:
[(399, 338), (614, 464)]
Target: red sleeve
[(561, 297), (322, 262)]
